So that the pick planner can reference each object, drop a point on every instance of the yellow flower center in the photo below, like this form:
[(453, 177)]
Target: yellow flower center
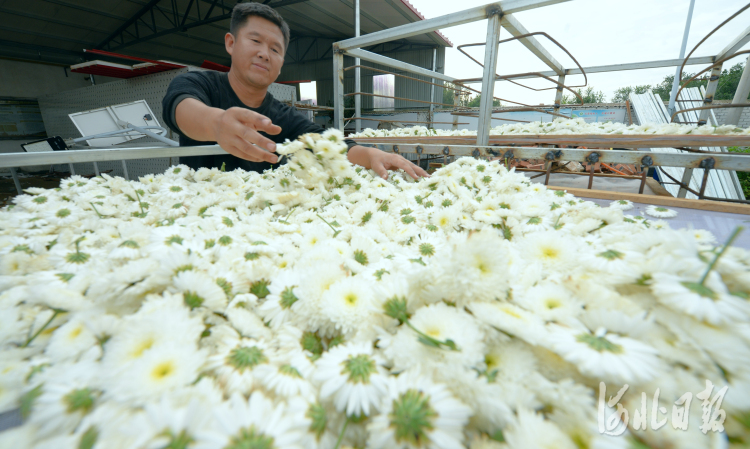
[(350, 299), (142, 347), (163, 370), (75, 333), (433, 332), (510, 312), (552, 304), (550, 253)]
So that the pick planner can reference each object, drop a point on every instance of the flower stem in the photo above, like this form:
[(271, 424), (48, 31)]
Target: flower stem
[(432, 341), (97, 212), (341, 435), (335, 232), (36, 334), (711, 265), (139, 201)]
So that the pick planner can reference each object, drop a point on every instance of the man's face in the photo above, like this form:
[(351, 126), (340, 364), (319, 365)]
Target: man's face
[(257, 51)]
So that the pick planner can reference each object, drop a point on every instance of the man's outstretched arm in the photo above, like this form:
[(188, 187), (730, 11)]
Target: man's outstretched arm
[(234, 129)]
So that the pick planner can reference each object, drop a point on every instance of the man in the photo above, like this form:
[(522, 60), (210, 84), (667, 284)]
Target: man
[(236, 111)]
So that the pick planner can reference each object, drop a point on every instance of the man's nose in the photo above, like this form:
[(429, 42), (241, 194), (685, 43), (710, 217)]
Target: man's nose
[(263, 53)]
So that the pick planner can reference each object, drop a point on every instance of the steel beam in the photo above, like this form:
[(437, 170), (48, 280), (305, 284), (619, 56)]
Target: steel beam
[(456, 104), (432, 87), (515, 28), (357, 74), (708, 97), (338, 90), (740, 96), (102, 155), (722, 161), (736, 44), (488, 81), (446, 21), (613, 68), (396, 64), (559, 93), (676, 81)]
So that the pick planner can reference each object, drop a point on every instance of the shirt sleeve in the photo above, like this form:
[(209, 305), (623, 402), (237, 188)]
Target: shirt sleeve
[(186, 85)]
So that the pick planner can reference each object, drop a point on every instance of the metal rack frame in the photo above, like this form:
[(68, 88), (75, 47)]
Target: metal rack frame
[(716, 161), (499, 15)]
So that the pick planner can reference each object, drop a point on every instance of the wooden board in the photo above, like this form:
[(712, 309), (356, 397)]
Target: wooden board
[(587, 140), (716, 206)]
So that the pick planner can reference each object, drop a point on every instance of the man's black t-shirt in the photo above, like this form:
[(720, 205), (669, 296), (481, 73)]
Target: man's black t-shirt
[(213, 89)]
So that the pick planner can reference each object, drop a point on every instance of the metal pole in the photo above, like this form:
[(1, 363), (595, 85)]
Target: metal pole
[(488, 78), (432, 88), (740, 96), (357, 80), (15, 180), (708, 98), (158, 137), (676, 83), (456, 104), (338, 89), (559, 93)]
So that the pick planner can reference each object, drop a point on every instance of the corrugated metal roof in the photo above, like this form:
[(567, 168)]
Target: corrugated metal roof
[(58, 30)]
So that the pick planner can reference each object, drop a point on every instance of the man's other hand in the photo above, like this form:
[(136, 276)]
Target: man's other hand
[(381, 162)]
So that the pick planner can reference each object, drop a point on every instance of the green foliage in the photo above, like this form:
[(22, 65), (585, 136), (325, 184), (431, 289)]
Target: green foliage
[(623, 94), (475, 101), (728, 82), (589, 96), (448, 96), (743, 176)]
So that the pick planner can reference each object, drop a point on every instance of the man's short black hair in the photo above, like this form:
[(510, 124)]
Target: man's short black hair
[(242, 11)]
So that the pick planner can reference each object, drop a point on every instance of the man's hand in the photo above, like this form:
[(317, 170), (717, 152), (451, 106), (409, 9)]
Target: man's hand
[(381, 162), (236, 130)]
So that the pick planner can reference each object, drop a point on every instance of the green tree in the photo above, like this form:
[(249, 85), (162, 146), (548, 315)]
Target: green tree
[(623, 93), (448, 96), (475, 101), (589, 96), (728, 82), (743, 176)]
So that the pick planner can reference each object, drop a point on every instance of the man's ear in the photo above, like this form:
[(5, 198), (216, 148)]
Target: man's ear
[(229, 43)]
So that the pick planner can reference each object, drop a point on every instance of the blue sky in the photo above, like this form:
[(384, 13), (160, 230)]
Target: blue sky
[(596, 32)]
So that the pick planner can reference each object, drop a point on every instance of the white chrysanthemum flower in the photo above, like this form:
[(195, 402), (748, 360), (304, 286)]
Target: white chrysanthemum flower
[(348, 303), (622, 205), (532, 430), (661, 212), (258, 422), (418, 414), (233, 364), (354, 376), (440, 322), (606, 357), (155, 325), (479, 266), (550, 302), (709, 301), (547, 248), (199, 290), (161, 369), (510, 319), (71, 339), (287, 375), (68, 394)]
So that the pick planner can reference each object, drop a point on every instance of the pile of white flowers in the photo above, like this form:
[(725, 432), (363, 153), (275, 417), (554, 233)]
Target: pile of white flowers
[(563, 126), (320, 306)]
